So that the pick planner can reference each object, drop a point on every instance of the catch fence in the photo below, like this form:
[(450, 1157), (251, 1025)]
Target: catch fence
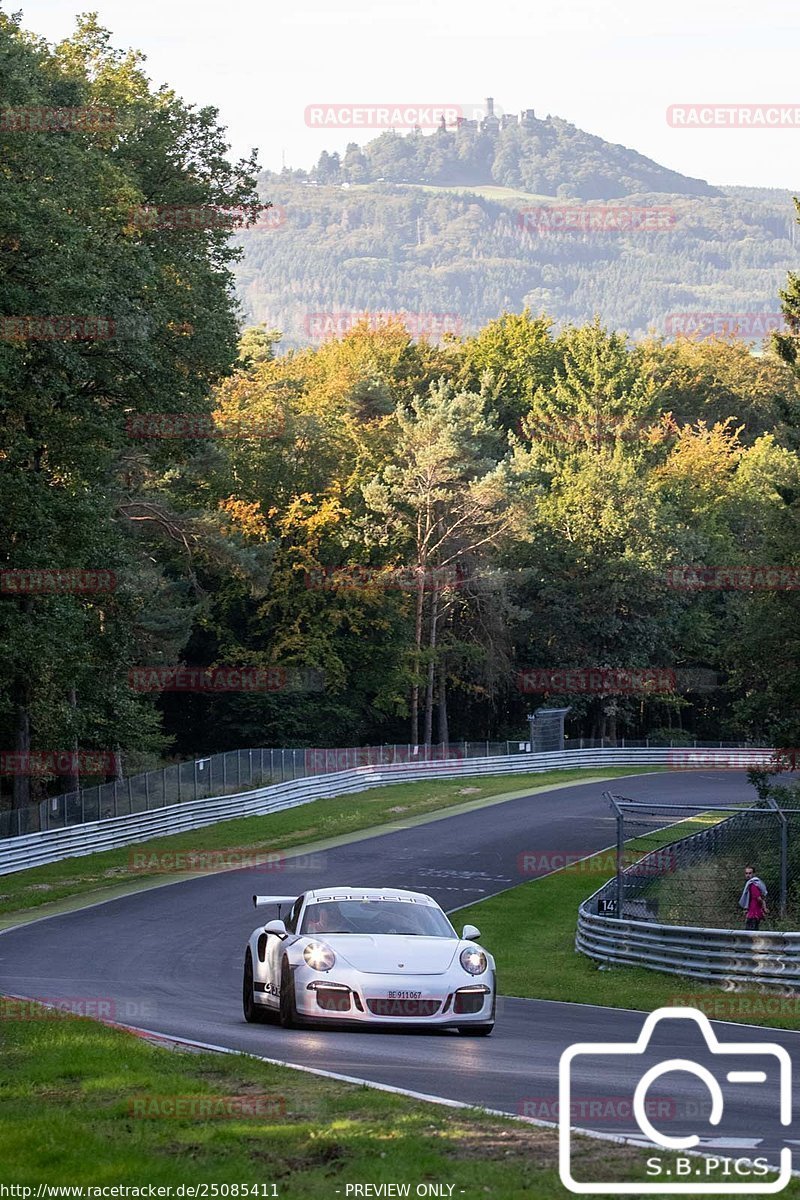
[(698, 877), (236, 771)]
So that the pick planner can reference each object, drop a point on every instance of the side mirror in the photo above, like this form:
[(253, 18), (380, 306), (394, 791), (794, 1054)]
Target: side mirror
[(276, 927), (470, 933)]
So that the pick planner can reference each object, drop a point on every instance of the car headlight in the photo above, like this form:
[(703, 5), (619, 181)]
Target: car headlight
[(473, 960), (319, 957)]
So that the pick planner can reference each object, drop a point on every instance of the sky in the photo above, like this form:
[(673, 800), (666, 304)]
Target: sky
[(611, 67)]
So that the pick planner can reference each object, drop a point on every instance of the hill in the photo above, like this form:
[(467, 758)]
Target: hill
[(456, 226), (547, 156)]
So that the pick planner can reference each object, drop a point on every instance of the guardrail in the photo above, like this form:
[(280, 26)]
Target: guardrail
[(36, 849), (728, 957)]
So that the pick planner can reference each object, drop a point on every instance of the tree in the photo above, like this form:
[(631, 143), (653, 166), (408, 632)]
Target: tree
[(155, 326), (512, 357), (441, 503)]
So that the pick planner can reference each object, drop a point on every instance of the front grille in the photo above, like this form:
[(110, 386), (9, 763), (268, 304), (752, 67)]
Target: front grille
[(469, 1002), (333, 999), (403, 1008)]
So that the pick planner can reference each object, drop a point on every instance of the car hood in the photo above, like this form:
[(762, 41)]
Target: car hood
[(393, 954)]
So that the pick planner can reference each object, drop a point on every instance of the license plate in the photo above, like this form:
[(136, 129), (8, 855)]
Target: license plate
[(403, 995)]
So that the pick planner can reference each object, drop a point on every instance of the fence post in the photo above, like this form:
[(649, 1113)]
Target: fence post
[(130, 793), (163, 803), (620, 852), (784, 864), (784, 854), (146, 792), (194, 764)]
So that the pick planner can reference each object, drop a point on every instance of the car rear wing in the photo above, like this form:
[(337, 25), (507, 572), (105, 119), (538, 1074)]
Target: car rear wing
[(262, 901)]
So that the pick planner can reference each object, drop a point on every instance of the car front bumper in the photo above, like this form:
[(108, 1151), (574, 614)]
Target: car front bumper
[(402, 1001)]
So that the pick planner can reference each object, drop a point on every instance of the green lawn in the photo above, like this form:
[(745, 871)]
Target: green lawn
[(487, 191), (530, 930), (87, 1105), (311, 823)]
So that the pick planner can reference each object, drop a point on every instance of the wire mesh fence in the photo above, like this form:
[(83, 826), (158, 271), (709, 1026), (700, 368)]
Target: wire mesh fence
[(683, 864), (237, 770), (222, 775)]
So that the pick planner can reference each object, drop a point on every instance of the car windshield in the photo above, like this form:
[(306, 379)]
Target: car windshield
[(376, 916)]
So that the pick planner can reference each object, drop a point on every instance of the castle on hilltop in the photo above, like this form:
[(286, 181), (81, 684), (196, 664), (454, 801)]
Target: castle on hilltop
[(490, 122)]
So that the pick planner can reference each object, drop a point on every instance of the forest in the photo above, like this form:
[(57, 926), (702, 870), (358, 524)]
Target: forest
[(212, 541), (541, 155), (460, 256)]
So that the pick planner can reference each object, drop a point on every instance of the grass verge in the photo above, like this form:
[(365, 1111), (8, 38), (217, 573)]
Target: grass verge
[(85, 1105), (530, 930), (306, 825)]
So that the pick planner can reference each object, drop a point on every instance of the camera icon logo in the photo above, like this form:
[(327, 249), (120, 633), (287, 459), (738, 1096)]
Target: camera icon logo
[(668, 1184)]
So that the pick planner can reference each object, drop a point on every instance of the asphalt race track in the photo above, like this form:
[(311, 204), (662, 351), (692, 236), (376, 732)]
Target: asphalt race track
[(169, 960)]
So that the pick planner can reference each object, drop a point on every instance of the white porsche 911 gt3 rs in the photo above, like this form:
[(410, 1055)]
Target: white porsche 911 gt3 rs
[(367, 956)]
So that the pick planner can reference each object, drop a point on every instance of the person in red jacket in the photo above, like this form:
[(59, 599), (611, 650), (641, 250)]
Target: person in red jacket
[(753, 899)]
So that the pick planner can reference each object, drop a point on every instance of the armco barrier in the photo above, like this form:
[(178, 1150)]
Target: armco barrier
[(36, 849), (727, 957)]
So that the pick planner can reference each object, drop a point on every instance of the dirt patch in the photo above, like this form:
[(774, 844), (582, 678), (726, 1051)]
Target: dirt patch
[(537, 1147), (592, 1158)]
